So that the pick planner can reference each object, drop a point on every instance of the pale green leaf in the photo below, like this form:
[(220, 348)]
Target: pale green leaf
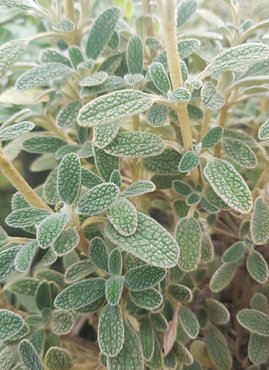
[(135, 55), (146, 336), (222, 277), (29, 356), (115, 105), (25, 256), (234, 253), (239, 135), (228, 184), (157, 360), (263, 133), (181, 188), (157, 115), (50, 229), (43, 296), (254, 321), (207, 248), (25, 286), (159, 321), (259, 302), (143, 277), (189, 161), (211, 98), (183, 353), (185, 10), (217, 312), (110, 331), (18, 129), (240, 153), (105, 163), (9, 53), (212, 137), (114, 287), (165, 163), (116, 178), (7, 262), (110, 84), (148, 299), (151, 242), (258, 349), (101, 32), (138, 188), (98, 199), (69, 178), (188, 321), (122, 215), (133, 79), (78, 270), (180, 293), (50, 188), (259, 223), (58, 358), (10, 324), (25, 217), (257, 267), (115, 262), (68, 114), (62, 322), (94, 80), (75, 55), (104, 134), (188, 237), (213, 199), (53, 56), (159, 77), (89, 179), (66, 242), (179, 95), (43, 144), (98, 253), (217, 348)]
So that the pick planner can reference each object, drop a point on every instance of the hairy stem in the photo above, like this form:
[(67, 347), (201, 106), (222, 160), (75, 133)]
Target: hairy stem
[(206, 122)]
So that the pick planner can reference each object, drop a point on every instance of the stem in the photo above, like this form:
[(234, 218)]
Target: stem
[(206, 122), (222, 120), (69, 10), (10, 171)]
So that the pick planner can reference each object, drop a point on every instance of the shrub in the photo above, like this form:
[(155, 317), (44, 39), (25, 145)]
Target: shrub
[(150, 230)]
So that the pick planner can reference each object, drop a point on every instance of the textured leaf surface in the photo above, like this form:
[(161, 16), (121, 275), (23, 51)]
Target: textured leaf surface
[(212, 137), (68, 115), (66, 242), (98, 199), (16, 130), (258, 349), (165, 163), (25, 217), (29, 357), (229, 185), (43, 144), (254, 321), (69, 178), (217, 348), (181, 188), (135, 144), (157, 115), (135, 55), (98, 253), (234, 253), (94, 80), (89, 179), (78, 271), (115, 262), (9, 53), (259, 224), (10, 324), (217, 312), (105, 163), (185, 10), (189, 322), (149, 299), (240, 153), (151, 242), (188, 237), (180, 292), (159, 321), (104, 134), (114, 286), (122, 215), (263, 133), (62, 322), (143, 277), (207, 249), (179, 95), (80, 294), (50, 228), (222, 277), (159, 77), (146, 336), (188, 161), (53, 56), (101, 32), (58, 358), (257, 267), (138, 188), (115, 105), (110, 331), (7, 262), (211, 98), (25, 256)]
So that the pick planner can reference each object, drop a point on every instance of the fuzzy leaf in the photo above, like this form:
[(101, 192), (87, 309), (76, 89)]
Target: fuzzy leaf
[(259, 224), (159, 77), (207, 249), (254, 321), (105, 163), (53, 56), (222, 277), (217, 312), (80, 294), (146, 336), (110, 331), (257, 267), (258, 349), (89, 179), (212, 137), (28, 355), (263, 133), (157, 360), (115, 262), (122, 215), (185, 10), (151, 242), (240, 153), (149, 299), (50, 188), (42, 76), (25, 256), (159, 321), (138, 188), (116, 178), (58, 358), (25, 217), (188, 161), (211, 98), (188, 237), (229, 185), (75, 55), (135, 55), (104, 134), (179, 95), (43, 144), (217, 348), (69, 178), (133, 79), (180, 293), (18, 129), (234, 253), (143, 277), (9, 53), (10, 324), (112, 106), (213, 199), (98, 253), (78, 270), (98, 199), (157, 115), (68, 114), (66, 242), (188, 321), (181, 188), (50, 229), (7, 262), (62, 322), (165, 163), (114, 286), (94, 80), (101, 32)]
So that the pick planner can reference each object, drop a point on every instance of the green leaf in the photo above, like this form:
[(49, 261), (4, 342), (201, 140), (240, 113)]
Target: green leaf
[(234, 253), (189, 161), (29, 357), (18, 129), (181, 188), (110, 84), (66, 242), (257, 267), (135, 144), (94, 80), (25, 256), (69, 178), (183, 353), (78, 271), (10, 324), (75, 56), (254, 321), (241, 136), (149, 299), (25, 217), (80, 294), (165, 163), (99, 253), (157, 360), (138, 188), (179, 95), (213, 199), (53, 56), (217, 312), (258, 349), (180, 293), (151, 242), (229, 185), (211, 98), (50, 188), (259, 223), (89, 179), (222, 277), (217, 348), (43, 296), (114, 286), (68, 114), (92, 307), (188, 237), (9, 53), (240, 153), (42, 76), (130, 356), (50, 229), (259, 302), (116, 178), (101, 32), (98, 199), (212, 137), (263, 132), (135, 55), (146, 336), (185, 10), (7, 262), (133, 79), (38, 340), (62, 322), (238, 58), (43, 144), (110, 331), (159, 77), (115, 262), (157, 115), (104, 134), (25, 286), (159, 321), (143, 277), (207, 249), (188, 321), (105, 163), (122, 215), (112, 106), (58, 358)]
